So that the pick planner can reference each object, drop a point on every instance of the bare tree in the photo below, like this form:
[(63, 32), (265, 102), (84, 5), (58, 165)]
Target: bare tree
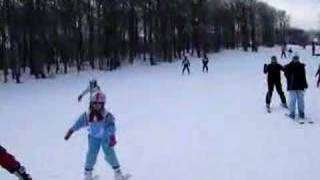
[(41, 35)]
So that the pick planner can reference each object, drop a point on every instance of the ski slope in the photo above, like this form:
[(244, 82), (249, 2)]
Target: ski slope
[(200, 127)]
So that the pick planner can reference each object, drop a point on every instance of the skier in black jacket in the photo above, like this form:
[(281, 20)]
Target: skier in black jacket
[(296, 83), (274, 80), (205, 62), (283, 51), (186, 65)]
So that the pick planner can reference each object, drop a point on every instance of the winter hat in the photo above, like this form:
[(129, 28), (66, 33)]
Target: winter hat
[(93, 83), (98, 97), (273, 59), (296, 58)]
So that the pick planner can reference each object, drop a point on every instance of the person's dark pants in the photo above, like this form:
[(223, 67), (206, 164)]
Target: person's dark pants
[(205, 67), (283, 54), (185, 67), (279, 90), (313, 52)]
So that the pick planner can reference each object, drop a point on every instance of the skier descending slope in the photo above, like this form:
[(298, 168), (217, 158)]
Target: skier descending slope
[(274, 80), (92, 88), (8, 162), (205, 62), (186, 65), (101, 127), (283, 51), (290, 53)]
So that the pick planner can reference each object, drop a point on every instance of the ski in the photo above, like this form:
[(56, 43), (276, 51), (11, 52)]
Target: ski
[(268, 110), (306, 120), (301, 120), (126, 176)]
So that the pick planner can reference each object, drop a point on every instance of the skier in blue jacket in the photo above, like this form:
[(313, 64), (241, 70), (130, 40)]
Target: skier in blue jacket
[(101, 128)]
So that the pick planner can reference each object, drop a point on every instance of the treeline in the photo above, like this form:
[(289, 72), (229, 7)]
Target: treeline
[(43, 37)]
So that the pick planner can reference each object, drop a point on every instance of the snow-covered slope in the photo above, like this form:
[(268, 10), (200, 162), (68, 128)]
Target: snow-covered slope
[(197, 127)]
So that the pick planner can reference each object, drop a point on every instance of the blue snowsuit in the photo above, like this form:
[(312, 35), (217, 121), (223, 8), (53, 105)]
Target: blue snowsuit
[(99, 136)]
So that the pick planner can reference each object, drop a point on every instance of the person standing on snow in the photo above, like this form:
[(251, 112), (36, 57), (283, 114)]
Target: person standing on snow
[(313, 48), (205, 62), (274, 80), (318, 74), (283, 51), (91, 89), (101, 127), (8, 162), (290, 52), (186, 65), (297, 84)]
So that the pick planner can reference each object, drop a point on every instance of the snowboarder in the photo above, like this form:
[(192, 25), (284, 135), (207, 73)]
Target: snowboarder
[(186, 65), (297, 84), (8, 162), (205, 62), (274, 80), (101, 127), (318, 74), (283, 51), (92, 88)]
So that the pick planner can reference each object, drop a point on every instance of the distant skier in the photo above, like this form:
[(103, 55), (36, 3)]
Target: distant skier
[(318, 74), (290, 52), (205, 62), (297, 84), (101, 127), (313, 48), (274, 80), (8, 162), (186, 65), (91, 89), (283, 51)]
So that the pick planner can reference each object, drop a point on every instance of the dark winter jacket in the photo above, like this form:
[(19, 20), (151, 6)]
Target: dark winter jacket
[(2, 150), (186, 62), (205, 61), (274, 72), (296, 76)]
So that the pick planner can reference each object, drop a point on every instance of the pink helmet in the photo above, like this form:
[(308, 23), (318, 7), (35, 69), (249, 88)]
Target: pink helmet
[(98, 97)]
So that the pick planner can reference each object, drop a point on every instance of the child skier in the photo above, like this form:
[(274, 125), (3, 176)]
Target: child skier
[(205, 62), (101, 129), (8, 162), (92, 88), (186, 65), (318, 74)]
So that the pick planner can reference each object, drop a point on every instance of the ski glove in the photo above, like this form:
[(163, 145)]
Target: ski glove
[(112, 141), (79, 98), (22, 174), (68, 135)]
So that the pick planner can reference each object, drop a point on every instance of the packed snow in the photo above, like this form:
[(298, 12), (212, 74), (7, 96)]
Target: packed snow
[(200, 127)]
